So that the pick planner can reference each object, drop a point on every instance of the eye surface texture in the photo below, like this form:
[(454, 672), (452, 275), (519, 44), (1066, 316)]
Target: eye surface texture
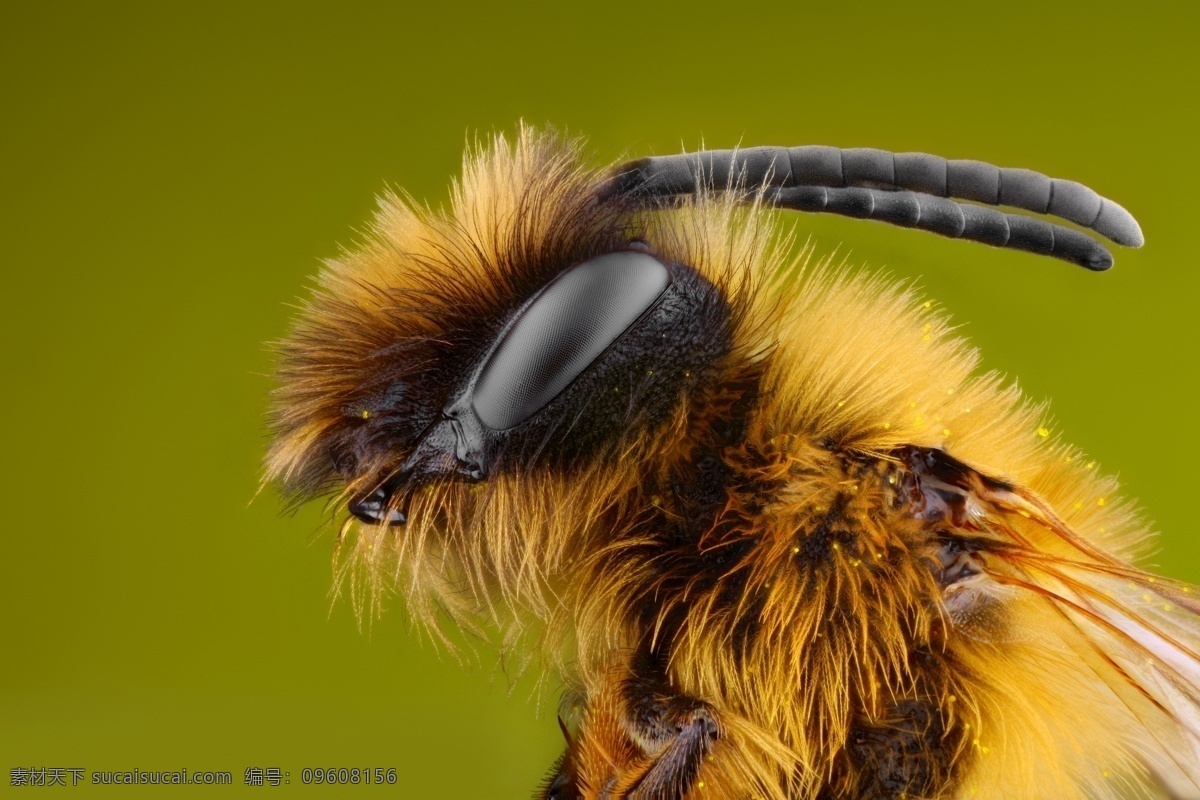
[(561, 331)]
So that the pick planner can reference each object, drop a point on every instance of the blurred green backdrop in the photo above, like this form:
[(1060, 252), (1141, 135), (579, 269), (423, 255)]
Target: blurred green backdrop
[(173, 173)]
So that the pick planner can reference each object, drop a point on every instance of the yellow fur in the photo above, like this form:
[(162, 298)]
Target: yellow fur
[(852, 369)]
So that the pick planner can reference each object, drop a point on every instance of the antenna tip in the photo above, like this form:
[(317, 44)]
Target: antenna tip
[(1119, 225)]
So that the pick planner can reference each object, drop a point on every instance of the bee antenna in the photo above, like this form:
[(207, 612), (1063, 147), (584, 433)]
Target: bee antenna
[(914, 190)]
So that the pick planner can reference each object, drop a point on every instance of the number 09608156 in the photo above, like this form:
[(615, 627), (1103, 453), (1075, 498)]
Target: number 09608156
[(348, 775)]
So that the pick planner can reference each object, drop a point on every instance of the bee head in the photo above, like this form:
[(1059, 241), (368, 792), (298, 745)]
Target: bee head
[(596, 353), (530, 327), (525, 326)]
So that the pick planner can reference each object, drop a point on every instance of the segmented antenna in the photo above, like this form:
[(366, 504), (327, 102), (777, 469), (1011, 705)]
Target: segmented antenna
[(913, 190)]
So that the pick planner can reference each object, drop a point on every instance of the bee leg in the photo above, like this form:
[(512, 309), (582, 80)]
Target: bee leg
[(676, 732), (905, 754)]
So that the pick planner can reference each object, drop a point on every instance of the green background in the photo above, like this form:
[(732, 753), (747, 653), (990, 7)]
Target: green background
[(173, 174)]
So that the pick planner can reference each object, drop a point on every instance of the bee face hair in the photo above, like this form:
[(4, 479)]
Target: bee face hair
[(760, 512)]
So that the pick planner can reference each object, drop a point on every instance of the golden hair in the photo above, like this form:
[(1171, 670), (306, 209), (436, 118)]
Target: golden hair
[(809, 611)]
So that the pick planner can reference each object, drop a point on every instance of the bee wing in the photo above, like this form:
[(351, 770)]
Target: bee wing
[(1143, 639), (1140, 632)]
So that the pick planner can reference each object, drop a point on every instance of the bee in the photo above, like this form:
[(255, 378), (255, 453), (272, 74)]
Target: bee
[(762, 514)]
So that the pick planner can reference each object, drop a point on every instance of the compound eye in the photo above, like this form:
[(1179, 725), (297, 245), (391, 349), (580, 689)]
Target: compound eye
[(559, 333)]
